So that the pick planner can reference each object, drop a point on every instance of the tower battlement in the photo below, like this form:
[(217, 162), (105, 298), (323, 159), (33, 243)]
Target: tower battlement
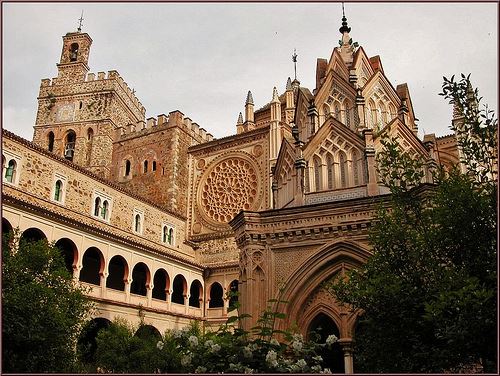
[(162, 122), (101, 81)]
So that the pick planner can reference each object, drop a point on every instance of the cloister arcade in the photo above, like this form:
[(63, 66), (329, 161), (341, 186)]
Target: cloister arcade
[(119, 276)]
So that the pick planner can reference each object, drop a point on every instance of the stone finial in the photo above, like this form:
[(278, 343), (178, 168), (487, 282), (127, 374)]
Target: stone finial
[(344, 28), (249, 98), (289, 84), (240, 119), (275, 95)]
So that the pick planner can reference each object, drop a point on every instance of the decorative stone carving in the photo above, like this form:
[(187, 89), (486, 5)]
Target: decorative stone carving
[(231, 185)]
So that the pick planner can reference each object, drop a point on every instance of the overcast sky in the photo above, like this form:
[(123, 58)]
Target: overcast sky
[(203, 58)]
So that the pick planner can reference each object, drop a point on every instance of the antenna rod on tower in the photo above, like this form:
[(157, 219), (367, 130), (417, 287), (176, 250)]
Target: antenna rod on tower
[(80, 24), (294, 59)]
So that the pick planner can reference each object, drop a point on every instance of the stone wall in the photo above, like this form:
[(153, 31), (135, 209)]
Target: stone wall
[(38, 171)]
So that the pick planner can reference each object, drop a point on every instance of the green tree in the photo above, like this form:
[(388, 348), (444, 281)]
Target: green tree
[(428, 295), (42, 309)]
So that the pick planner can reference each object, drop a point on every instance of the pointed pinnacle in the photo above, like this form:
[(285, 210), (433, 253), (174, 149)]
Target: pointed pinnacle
[(275, 95), (288, 84), (240, 119), (249, 98)]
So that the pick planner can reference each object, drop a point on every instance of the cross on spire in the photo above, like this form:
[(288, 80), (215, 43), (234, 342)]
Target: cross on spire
[(80, 22), (294, 59)]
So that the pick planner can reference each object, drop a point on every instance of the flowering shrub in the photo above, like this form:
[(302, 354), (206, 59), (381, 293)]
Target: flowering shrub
[(231, 349)]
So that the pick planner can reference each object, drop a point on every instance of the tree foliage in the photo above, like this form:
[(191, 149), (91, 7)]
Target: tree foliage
[(42, 309), (428, 295), (227, 349)]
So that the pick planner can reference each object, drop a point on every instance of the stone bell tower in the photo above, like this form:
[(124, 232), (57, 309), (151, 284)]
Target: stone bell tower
[(80, 114), (73, 65)]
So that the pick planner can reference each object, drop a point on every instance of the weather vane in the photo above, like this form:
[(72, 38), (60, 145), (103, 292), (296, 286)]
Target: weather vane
[(294, 59), (343, 13), (80, 24)]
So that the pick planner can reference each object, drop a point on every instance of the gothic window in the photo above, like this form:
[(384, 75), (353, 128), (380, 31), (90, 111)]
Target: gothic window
[(355, 167), (153, 166), (90, 133), (336, 113), (317, 173), (308, 184), (105, 210), (168, 234), (10, 171), (145, 169), (102, 206), (51, 141), (127, 167), (331, 176), (73, 52), (69, 147), (383, 113), (137, 223), (58, 191), (347, 114), (392, 111), (343, 170), (97, 206)]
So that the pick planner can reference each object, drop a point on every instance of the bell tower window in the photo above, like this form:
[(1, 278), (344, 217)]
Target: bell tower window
[(69, 147), (73, 52), (51, 141)]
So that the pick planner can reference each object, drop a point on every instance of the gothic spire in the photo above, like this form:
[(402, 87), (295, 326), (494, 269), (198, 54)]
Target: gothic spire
[(249, 98), (288, 84), (240, 119), (344, 28)]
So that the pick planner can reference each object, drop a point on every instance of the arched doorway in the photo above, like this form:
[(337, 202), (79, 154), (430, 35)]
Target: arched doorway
[(140, 279), (179, 289), (93, 265), (148, 332), (161, 284), (118, 273), (69, 252), (33, 235), (87, 344), (216, 296), (322, 326), (195, 294)]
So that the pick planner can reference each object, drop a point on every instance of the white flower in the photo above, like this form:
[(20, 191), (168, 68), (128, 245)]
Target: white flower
[(215, 348), (209, 343), (297, 346), (247, 351), (159, 345), (318, 358), (271, 358), (200, 369), (298, 337), (186, 360), (316, 368), (326, 370), (332, 338), (193, 341), (301, 363), (274, 342), (248, 370)]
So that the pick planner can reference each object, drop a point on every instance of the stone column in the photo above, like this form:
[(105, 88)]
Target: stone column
[(149, 293), (128, 284), (372, 186), (348, 359), (300, 197), (102, 283)]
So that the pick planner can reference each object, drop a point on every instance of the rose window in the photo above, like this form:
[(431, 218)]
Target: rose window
[(230, 186)]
